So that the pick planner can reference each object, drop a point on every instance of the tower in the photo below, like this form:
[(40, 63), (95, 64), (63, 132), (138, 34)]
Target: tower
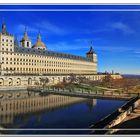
[(25, 42), (16, 42), (3, 27), (4, 30), (91, 55), (6, 45)]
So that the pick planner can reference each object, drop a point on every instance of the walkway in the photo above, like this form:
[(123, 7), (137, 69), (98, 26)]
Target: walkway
[(84, 93)]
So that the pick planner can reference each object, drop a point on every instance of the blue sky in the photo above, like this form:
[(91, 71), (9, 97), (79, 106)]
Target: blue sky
[(115, 34)]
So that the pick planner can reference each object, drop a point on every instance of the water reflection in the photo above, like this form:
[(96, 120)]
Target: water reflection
[(51, 112), (91, 104), (18, 107)]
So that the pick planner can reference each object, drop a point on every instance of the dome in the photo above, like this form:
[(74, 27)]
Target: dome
[(39, 44)]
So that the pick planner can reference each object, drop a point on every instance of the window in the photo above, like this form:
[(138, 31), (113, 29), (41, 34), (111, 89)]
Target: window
[(27, 44)]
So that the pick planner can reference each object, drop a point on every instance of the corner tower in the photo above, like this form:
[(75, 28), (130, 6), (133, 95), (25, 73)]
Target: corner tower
[(3, 27), (91, 55), (25, 41), (6, 48)]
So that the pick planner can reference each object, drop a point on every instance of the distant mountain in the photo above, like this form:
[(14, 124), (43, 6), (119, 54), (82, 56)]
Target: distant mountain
[(131, 76)]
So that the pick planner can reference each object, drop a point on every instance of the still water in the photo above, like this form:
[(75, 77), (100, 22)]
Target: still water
[(53, 112)]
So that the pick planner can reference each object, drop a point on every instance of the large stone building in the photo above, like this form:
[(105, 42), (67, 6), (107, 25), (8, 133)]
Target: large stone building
[(21, 62)]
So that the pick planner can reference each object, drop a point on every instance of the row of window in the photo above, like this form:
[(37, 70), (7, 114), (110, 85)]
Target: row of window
[(43, 70), (31, 60), (7, 45), (6, 49), (33, 103), (36, 70), (51, 65), (7, 40), (37, 62), (37, 56), (34, 64)]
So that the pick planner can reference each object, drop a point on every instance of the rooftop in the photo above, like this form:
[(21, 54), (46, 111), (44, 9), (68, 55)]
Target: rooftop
[(49, 53)]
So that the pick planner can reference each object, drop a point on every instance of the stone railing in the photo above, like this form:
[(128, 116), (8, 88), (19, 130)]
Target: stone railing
[(106, 124)]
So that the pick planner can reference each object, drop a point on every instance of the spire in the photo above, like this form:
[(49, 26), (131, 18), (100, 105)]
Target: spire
[(16, 42), (91, 51), (25, 34), (39, 37), (3, 27)]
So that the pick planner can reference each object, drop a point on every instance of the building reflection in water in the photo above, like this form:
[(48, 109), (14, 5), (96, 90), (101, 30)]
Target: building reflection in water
[(10, 108), (91, 103)]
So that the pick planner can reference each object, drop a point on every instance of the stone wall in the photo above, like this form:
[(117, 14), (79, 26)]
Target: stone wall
[(117, 116), (24, 81)]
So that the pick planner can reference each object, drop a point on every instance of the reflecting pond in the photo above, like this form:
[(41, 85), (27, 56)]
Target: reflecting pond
[(53, 114)]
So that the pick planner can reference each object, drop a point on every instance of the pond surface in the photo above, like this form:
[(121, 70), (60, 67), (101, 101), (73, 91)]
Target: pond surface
[(44, 115)]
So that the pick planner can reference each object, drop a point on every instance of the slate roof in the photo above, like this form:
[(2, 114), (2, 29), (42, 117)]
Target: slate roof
[(49, 53)]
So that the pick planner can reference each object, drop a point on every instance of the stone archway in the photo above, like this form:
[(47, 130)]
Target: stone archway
[(53, 80), (1, 81), (29, 81), (18, 82), (10, 81), (58, 79)]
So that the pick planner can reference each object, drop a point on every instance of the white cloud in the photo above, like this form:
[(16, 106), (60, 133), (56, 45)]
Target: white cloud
[(65, 46), (111, 27), (114, 48), (22, 27), (122, 27), (137, 52), (50, 28), (44, 27)]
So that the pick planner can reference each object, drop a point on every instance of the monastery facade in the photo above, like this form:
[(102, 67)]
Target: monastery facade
[(21, 64)]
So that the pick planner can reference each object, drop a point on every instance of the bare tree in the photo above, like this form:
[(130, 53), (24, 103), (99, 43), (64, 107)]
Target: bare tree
[(36, 83), (44, 81), (107, 81), (72, 78)]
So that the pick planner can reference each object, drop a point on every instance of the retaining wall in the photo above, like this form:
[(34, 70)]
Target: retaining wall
[(117, 116)]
